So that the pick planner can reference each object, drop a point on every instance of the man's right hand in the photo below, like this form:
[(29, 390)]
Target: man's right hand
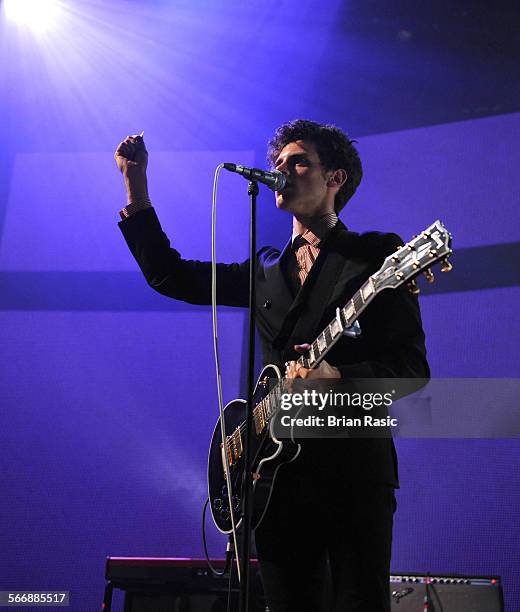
[(132, 159)]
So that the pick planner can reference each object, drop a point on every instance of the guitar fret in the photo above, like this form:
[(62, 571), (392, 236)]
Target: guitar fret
[(328, 335), (335, 328), (350, 312), (367, 290), (312, 358), (322, 342), (358, 302)]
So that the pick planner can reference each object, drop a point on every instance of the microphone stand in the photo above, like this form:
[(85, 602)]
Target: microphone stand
[(427, 601), (247, 485)]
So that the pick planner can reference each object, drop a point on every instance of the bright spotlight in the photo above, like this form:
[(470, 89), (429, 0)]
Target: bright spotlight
[(39, 15)]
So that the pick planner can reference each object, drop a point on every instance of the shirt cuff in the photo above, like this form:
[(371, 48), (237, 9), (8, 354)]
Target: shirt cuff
[(133, 207)]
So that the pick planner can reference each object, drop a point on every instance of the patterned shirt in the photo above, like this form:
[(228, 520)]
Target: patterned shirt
[(306, 246)]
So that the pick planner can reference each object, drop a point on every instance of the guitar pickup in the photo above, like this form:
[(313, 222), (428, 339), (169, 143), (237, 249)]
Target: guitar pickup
[(238, 449)]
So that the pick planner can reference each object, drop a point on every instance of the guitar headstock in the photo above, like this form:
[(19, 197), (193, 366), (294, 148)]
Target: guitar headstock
[(423, 251)]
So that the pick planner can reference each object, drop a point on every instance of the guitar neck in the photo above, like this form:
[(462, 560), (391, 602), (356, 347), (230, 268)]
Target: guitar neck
[(344, 319)]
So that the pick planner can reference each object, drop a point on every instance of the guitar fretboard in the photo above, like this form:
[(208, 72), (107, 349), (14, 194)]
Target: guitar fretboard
[(344, 319)]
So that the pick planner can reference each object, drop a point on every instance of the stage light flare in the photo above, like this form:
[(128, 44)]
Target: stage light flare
[(38, 15)]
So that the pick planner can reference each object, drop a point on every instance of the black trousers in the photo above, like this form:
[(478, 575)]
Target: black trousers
[(326, 545)]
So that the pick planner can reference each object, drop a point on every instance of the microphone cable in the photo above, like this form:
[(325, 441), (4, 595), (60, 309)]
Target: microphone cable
[(225, 459)]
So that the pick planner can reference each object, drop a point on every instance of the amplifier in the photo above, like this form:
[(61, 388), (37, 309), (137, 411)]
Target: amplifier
[(446, 593), (187, 585)]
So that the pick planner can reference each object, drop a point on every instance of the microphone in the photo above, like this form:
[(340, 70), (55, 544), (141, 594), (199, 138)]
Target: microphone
[(275, 180)]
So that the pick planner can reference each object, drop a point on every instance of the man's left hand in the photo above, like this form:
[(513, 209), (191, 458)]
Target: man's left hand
[(296, 370)]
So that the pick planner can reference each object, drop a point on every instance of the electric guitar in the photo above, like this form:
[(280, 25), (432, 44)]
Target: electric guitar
[(269, 453)]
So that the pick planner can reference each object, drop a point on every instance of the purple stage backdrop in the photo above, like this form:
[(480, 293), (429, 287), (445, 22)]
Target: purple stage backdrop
[(108, 389), (107, 412)]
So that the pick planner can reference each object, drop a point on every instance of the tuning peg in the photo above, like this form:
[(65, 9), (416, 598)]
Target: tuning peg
[(432, 253), (446, 265), (429, 275), (413, 288)]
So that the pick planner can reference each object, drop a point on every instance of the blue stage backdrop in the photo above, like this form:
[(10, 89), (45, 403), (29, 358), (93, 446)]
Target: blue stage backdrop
[(108, 390)]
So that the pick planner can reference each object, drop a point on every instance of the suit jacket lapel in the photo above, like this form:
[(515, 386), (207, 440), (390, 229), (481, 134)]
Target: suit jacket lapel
[(317, 291), (276, 276)]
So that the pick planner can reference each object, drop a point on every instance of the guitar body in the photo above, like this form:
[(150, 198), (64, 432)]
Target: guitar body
[(268, 454)]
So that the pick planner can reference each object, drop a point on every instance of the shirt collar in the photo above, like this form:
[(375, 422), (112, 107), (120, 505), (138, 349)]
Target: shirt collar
[(318, 229)]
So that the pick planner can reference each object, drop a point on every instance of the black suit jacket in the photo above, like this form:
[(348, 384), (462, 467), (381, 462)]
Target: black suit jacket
[(391, 345)]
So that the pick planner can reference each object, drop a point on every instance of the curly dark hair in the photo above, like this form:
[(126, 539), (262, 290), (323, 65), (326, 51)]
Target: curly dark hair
[(333, 146)]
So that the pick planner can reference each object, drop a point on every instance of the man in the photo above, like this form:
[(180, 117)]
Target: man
[(334, 504)]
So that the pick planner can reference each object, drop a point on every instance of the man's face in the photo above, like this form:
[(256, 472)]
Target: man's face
[(308, 192)]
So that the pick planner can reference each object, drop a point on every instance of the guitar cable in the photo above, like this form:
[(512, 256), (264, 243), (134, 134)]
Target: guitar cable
[(225, 458), (230, 553)]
